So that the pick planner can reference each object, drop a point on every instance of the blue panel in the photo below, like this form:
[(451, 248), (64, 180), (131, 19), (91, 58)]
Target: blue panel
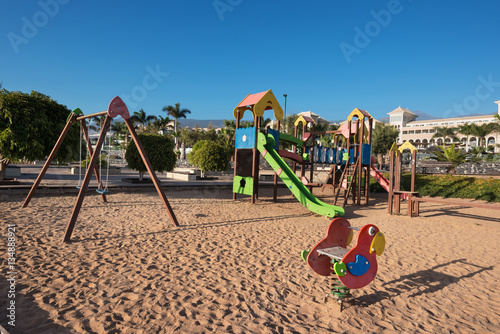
[(327, 155), (360, 267), (244, 138), (276, 135), (351, 157), (367, 154), (334, 156)]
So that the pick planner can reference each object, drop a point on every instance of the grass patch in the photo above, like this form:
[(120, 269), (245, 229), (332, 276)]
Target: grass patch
[(450, 186)]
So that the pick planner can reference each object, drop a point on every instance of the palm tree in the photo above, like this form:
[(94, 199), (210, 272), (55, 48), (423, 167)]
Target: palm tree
[(161, 124), (451, 154), (445, 132), (467, 130), (139, 117), (481, 131), (176, 112), (120, 129)]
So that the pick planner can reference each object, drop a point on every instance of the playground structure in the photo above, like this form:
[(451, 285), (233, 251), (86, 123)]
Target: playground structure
[(116, 108), (348, 269), (349, 159), (249, 142), (395, 170), (412, 197)]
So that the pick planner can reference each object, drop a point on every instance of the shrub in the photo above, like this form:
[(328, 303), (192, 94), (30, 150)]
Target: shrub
[(102, 161), (451, 186), (159, 149), (209, 156)]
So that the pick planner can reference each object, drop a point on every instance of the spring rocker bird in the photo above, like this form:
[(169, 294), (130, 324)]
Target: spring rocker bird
[(350, 269)]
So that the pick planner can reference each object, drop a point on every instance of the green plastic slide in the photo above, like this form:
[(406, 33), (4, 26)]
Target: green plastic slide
[(265, 145)]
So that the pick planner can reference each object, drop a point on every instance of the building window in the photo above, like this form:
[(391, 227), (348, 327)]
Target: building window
[(405, 132)]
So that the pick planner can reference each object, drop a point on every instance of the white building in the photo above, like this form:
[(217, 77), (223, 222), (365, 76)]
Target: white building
[(420, 133)]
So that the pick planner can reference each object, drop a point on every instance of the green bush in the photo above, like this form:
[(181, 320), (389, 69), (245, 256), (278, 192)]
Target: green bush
[(209, 156), (102, 161), (159, 149), (451, 186)]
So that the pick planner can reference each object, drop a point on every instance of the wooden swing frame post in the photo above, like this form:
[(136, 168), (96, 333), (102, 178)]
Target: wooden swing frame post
[(92, 167)]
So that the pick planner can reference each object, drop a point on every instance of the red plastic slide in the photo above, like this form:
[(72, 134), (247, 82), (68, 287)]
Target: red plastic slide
[(382, 180)]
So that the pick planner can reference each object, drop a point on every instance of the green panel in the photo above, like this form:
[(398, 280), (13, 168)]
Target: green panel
[(77, 111), (292, 139), (298, 189), (243, 185)]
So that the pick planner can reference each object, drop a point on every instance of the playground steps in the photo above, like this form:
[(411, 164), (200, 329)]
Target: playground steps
[(347, 179)]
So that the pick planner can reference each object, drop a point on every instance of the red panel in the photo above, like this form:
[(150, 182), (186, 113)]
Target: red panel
[(252, 99), (337, 235), (362, 247)]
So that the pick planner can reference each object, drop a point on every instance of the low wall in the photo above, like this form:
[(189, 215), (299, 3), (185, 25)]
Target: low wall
[(467, 168)]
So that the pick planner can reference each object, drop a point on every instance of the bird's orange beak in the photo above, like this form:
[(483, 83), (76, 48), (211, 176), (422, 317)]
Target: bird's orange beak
[(378, 244)]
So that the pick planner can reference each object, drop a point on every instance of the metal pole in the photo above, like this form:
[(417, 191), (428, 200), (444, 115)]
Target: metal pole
[(286, 123)]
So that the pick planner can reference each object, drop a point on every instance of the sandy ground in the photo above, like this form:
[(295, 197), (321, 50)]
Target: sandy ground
[(233, 267)]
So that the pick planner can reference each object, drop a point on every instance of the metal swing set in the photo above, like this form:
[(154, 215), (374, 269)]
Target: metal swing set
[(116, 108)]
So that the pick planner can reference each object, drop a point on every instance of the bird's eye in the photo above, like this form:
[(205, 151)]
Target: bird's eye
[(371, 231)]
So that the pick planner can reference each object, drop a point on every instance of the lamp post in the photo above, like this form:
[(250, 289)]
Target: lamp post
[(286, 123)]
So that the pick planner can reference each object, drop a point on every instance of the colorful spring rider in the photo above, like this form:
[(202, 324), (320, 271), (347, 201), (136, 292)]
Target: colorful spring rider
[(348, 269)]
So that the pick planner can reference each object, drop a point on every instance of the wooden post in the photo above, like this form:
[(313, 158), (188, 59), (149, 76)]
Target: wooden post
[(151, 171), (361, 133), (391, 182), (397, 182), (275, 183), (368, 168), (413, 169), (91, 152), (312, 138), (257, 159), (49, 160), (235, 165), (86, 181)]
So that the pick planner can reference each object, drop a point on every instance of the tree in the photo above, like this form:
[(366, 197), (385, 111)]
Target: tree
[(383, 137), (209, 156), (160, 124), (159, 149), (30, 125), (445, 132), (176, 112), (140, 117), (226, 137), (451, 154), (481, 131), (467, 130)]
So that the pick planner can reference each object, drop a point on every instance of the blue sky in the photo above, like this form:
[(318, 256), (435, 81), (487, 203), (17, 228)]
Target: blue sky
[(439, 57)]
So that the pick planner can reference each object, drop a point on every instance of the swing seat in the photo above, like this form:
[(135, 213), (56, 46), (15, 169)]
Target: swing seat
[(78, 187), (103, 191)]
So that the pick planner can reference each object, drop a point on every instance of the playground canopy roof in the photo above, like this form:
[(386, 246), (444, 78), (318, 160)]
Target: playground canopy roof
[(360, 114), (304, 119), (258, 103)]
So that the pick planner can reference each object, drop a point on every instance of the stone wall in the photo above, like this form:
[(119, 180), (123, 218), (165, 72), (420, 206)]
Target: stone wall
[(468, 168), (484, 168)]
